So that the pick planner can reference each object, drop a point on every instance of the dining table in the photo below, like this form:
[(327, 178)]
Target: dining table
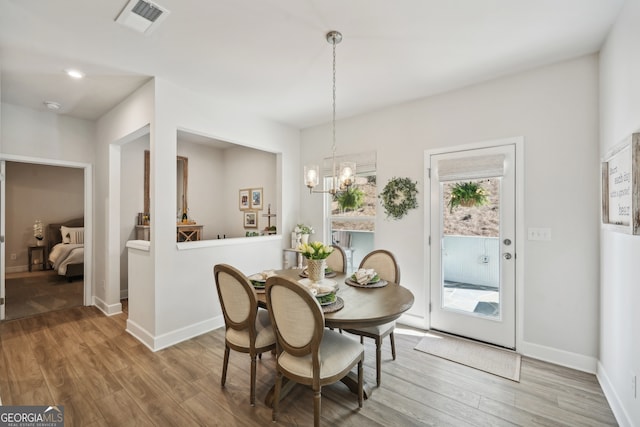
[(361, 306)]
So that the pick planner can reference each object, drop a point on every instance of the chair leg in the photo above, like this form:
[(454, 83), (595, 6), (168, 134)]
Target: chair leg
[(316, 407), (378, 360), (276, 396), (252, 396), (360, 384), (393, 345), (224, 365)]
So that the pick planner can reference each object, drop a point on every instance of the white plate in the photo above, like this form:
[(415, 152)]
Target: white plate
[(309, 284), (328, 303)]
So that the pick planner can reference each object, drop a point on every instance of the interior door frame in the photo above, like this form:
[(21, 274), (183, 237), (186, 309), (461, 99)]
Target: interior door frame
[(520, 232), (88, 215)]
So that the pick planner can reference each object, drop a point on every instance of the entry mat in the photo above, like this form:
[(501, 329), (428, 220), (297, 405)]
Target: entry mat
[(484, 357)]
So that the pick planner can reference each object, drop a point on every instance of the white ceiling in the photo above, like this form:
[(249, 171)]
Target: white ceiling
[(271, 57)]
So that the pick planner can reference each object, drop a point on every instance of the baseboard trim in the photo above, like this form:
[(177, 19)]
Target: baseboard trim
[(559, 357), (140, 333), (414, 321), (108, 309), (155, 343), (623, 419)]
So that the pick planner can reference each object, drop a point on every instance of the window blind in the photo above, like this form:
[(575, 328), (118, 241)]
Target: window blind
[(471, 167), (365, 163)]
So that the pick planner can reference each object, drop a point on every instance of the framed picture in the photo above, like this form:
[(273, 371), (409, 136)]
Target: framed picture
[(250, 219), (620, 180), (256, 198), (244, 198)]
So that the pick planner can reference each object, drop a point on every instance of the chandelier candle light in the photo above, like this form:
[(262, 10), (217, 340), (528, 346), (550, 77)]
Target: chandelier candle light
[(346, 177)]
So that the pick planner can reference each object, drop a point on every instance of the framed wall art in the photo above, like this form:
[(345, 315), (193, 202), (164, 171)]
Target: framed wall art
[(250, 219), (244, 199), (620, 186), (256, 198)]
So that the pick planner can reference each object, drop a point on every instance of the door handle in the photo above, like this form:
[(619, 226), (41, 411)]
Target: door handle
[(506, 255)]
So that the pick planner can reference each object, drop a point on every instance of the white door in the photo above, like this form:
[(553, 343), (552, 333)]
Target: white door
[(473, 245), (2, 247)]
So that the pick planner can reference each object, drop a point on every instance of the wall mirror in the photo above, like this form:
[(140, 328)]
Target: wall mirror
[(182, 181)]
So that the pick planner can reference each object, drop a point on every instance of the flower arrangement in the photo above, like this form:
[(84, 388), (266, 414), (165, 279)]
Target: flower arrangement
[(303, 229), (467, 194), (37, 230), (315, 250)]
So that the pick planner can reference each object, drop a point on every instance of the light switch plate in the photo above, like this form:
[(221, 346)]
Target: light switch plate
[(539, 234)]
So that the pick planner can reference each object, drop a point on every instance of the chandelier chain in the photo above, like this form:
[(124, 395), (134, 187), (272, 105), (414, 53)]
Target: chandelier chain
[(334, 98)]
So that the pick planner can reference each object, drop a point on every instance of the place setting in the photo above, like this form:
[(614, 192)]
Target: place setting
[(365, 278), (325, 292), (259, 280)]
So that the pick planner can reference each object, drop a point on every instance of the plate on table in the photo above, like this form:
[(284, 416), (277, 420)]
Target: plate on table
[(259, 280), (375, 282), (321, 288), (327, 299)]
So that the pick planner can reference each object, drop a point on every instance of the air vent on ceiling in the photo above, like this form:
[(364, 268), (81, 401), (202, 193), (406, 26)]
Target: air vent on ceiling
[(142, 16)]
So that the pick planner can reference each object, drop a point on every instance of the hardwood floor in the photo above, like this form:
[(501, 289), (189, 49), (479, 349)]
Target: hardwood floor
[(36, 292), (86, 361)]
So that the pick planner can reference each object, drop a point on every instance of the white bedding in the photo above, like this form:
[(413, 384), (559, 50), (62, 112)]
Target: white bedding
[(64, 254)]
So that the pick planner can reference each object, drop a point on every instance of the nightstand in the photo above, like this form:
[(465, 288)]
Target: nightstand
[(43, 260)]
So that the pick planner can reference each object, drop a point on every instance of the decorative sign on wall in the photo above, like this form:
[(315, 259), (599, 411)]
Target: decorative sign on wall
[(620, 181)]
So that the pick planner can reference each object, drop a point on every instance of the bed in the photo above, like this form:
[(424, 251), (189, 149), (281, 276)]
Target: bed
[(65, 244)]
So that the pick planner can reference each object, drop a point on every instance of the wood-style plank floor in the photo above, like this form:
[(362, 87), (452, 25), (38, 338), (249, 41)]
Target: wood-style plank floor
[(86, 361)]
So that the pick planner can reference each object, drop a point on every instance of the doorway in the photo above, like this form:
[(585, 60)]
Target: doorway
[(472, 221), (33, 195)]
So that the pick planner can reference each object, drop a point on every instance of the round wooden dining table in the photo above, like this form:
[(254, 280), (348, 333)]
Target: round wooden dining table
[(363, 307)]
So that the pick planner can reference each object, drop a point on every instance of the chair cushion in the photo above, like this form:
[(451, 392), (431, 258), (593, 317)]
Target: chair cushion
[(336, 352), (264, 332), (378, 329)]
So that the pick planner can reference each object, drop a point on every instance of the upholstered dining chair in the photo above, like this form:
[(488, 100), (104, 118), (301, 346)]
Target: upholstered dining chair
[(337, 260), (307, 352), (248, 328), (384, 263)]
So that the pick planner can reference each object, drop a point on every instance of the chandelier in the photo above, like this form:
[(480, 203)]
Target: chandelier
[(341, 179)]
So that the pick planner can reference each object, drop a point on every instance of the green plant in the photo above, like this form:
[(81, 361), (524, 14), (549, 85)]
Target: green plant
[(467, 194), (398, 196), (315, 250), (303, 229), (352, 198)]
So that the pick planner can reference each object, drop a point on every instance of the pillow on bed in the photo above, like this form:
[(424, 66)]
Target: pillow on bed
[(72, 234)]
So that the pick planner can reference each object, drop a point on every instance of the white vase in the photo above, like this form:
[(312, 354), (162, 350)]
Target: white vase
[(304, 239), (315, 269)]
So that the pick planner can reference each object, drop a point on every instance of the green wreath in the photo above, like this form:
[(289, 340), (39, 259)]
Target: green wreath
[(398, 196)]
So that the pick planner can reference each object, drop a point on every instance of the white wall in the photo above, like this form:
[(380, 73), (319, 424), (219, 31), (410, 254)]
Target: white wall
[(247, 168), (620, 269), (46, 135), (125, 123), (205, 181), (185, 291), (182, 301), (131, 200), (555, 109)]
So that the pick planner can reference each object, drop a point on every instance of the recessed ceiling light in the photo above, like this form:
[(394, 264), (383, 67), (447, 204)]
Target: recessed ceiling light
[(51, 105), (76, 74)]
